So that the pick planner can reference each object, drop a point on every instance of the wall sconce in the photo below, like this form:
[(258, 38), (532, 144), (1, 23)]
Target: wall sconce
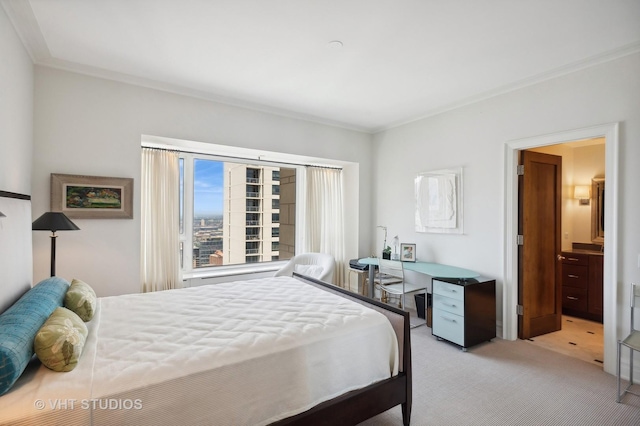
[(582, 193)]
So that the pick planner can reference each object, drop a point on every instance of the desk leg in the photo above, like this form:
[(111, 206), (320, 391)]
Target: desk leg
[(372, 274)]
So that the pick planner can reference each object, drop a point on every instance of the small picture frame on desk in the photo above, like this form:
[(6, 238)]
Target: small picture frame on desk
[(407, 252)]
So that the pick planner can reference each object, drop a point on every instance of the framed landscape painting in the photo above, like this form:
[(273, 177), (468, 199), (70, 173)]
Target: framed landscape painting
[(92, 197)]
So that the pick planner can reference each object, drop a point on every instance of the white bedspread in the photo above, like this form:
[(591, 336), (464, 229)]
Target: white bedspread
[(241, 353)]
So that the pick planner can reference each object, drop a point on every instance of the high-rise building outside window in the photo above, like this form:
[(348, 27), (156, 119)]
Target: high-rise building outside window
[(230, 212)]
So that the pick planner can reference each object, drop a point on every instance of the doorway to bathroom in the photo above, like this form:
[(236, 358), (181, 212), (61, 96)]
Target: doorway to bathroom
[(580, 282), (587, 136)]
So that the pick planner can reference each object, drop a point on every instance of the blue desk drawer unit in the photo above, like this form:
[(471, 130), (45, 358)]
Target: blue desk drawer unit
[(464, 311)]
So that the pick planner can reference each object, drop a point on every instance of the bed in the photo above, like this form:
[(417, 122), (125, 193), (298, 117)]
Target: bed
[(282, 350)]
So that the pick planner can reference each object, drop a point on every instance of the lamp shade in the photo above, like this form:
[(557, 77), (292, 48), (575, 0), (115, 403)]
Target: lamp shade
[(581, 192), (53, 221)]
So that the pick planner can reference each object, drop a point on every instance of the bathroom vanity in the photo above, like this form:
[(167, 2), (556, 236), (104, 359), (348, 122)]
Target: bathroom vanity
[(582, 283)]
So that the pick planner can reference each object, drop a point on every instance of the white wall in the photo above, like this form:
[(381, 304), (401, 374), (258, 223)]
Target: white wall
[(16, 111), (91, 126), (474, 137)]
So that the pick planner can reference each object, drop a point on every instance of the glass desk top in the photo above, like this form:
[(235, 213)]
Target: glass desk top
[(432, 269)]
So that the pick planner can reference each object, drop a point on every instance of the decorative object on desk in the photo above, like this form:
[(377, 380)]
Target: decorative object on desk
[(396, 243), (439, 201), (92, 197), (386, 250), (582, 193), (386, 253), (407, 252), (53, 221)]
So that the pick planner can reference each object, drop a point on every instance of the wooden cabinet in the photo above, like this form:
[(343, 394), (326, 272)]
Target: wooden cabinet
[(594, 300), (582, 285), (464, 311)]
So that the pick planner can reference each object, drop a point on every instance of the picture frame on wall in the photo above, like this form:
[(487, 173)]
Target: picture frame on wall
[(439, 198), (92, 197), (407, 252)]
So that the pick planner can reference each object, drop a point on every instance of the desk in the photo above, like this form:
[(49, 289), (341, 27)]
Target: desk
[(435, 270)]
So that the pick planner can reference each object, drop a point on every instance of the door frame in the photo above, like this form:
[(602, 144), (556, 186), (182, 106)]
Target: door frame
[(610, 278)]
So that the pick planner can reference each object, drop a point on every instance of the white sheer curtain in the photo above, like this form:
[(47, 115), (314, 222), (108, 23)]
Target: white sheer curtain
[(160, 251), (324, 216)]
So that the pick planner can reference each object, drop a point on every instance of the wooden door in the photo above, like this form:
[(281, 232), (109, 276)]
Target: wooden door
[(539, 266)]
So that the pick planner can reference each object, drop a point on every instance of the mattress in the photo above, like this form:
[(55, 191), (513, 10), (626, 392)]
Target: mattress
[(242, 353)]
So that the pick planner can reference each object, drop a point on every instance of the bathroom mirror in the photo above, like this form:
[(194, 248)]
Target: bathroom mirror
[(597, 210)]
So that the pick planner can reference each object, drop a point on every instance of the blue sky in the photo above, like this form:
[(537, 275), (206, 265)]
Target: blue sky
[(208, 187)]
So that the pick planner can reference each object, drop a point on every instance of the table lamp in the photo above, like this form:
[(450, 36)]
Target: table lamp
[(396, 243), (53, 221)]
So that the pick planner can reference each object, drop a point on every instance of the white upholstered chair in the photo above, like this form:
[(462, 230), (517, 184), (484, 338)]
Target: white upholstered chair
[(390, 280), (315, 265), (632, 341)]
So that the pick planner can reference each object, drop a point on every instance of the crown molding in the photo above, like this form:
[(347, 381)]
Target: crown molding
[(589, 62), (23, 19), (88, 70), (26, 26)]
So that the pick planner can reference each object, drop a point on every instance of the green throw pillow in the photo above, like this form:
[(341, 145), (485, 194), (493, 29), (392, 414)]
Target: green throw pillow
[(59, 342), (81, 299)]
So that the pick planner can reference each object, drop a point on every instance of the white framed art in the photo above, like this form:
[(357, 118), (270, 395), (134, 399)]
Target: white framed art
[(439, 201)]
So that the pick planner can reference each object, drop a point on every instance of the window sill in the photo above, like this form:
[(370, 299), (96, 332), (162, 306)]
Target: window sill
[(229, 271)]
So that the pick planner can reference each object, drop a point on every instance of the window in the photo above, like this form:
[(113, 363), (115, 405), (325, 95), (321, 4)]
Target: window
[(253, 247), (229, 212)]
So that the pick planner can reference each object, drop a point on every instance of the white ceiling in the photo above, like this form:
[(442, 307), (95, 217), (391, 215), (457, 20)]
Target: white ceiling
[(401, 60)]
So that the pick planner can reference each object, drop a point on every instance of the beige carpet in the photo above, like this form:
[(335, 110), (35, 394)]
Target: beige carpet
[(507, 383)]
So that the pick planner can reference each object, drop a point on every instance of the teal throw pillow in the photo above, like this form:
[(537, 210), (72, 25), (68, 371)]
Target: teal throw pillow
[(20, 323)]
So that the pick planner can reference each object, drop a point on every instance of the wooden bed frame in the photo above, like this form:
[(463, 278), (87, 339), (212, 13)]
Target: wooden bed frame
[(347, 409), (361, 404)]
